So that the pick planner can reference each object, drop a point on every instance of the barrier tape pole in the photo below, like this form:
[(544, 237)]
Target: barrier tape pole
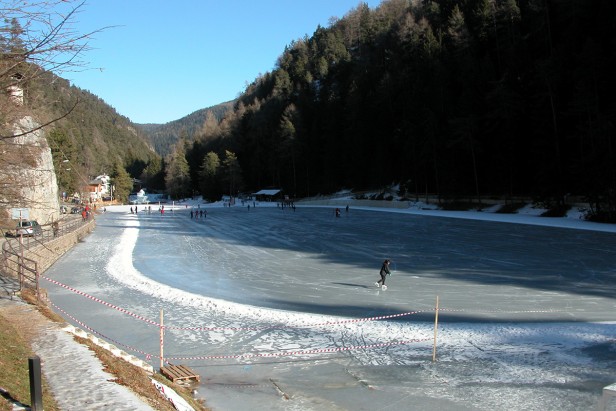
[(127, 312), (327, 323), (355, 320), (162, 339), (236, 356), (435, 330), (265, 355)]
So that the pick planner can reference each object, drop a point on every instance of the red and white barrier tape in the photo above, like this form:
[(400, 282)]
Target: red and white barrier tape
[(260, 355), (148, 356), (496, 311), (98, 300), (327, 323), (299, 353), (127, 312)]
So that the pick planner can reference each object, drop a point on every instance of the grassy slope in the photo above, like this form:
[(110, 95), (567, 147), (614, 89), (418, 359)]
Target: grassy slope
[(14, 378), (14, 374)]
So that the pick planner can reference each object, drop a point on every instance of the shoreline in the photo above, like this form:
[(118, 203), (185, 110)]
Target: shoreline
[(438, 214)]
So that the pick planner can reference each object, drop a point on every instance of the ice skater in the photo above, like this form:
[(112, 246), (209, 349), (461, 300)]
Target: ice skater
[(384, 273)]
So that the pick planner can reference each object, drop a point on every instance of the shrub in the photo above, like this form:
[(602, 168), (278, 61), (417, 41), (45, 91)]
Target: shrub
[(511, 208), (556, 211)]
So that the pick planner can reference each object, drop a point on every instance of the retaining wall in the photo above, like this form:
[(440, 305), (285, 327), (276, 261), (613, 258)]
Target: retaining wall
[(47, 253)]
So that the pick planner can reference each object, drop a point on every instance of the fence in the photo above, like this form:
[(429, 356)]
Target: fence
[(25, 258), (168, 359), (25, 270), (49, 232), (425, 338)]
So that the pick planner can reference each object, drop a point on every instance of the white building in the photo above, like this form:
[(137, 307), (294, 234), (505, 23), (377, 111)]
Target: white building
[(99, 187)]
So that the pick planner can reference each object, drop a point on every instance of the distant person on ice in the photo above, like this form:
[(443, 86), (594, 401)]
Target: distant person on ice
[(384, 272)]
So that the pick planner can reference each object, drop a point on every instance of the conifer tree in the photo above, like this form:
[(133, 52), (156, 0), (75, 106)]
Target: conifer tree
[(232, 173), (209, 173), (177, 177), (64, 154), (122, 183)]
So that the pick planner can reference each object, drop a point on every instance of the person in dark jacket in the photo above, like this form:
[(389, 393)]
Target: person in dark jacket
[(384, 272)]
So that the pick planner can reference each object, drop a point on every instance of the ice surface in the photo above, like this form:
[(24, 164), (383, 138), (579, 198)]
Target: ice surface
[(272, 307)]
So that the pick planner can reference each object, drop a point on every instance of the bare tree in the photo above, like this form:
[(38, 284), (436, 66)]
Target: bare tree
[(36, 38)]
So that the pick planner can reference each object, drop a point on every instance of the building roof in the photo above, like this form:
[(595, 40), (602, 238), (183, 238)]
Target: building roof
[(270, 192)]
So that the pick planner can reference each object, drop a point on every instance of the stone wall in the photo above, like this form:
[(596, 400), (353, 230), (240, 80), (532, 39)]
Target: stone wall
[(49, 252)]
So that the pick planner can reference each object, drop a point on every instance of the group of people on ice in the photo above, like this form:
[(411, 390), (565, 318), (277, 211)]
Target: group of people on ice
[(198, 213)]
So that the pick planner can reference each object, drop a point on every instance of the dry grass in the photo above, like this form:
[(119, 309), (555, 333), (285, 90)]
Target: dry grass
[(29, 296), (15, 350), (15, 337), (138, 380)]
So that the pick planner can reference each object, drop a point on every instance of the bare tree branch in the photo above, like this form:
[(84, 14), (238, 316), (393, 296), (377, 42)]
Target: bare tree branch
[(2, 137), (36, 38)]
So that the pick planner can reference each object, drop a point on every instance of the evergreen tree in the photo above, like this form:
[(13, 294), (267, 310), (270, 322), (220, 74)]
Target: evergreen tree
[(232, 173), (177, 177), (209, 176), (462, 99), (64, 156), (288, 142), (122, 183), (210, 126), (153, 175)]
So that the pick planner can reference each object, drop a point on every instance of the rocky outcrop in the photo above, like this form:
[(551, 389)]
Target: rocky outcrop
[(27, 174)]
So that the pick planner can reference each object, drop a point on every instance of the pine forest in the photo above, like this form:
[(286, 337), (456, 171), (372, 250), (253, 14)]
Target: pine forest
[(460, 99)]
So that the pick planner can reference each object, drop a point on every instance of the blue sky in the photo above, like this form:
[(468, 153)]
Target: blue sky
[(165, 59)]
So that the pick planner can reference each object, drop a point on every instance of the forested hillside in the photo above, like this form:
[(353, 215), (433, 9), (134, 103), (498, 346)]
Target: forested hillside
[(90, 138), (164, 136), (456, 98)]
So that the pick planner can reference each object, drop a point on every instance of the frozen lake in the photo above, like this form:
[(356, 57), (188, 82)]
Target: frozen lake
[(275, 308)]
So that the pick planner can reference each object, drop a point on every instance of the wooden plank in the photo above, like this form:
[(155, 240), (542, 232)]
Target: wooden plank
[(179, 372), (185, 370), (172, 375), (169, 373)]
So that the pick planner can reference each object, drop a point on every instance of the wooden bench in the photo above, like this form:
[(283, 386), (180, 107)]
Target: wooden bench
[(179, 373)]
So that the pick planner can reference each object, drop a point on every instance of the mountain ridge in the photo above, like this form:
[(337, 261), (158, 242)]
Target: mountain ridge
[(164, 136)]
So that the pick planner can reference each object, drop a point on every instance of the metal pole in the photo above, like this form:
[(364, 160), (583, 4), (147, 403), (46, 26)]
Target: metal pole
[(435, 330), (162, 336), (37, 277), (36, 388), (20, 268)]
